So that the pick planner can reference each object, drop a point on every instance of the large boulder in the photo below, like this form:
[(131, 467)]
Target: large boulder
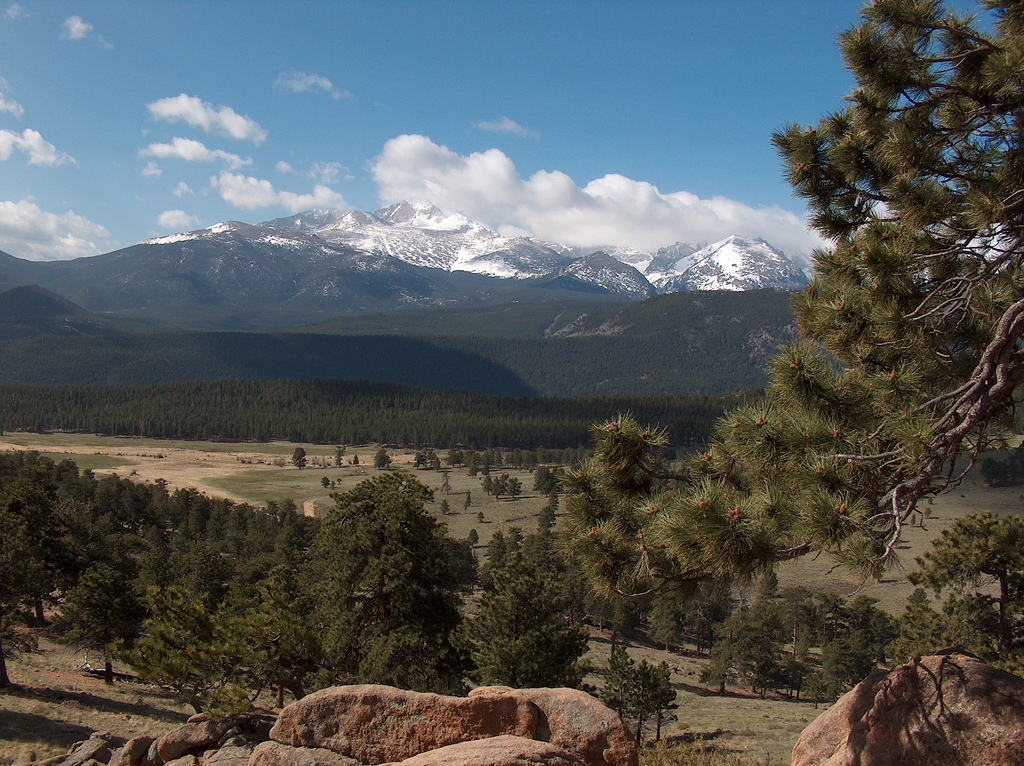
[(576, 723), (381, 724), (949, 709), (272, 753), (495, 751)]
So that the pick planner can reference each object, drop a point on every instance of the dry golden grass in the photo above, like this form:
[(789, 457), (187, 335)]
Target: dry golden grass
[(55, 705)]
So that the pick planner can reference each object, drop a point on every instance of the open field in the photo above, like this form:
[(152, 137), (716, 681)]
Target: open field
[(58, 704)]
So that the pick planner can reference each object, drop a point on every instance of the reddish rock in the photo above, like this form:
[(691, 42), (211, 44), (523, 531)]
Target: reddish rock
[(275, 754), (948, 709), (185, 760), (198, 734), (578, 723), (495, 751), (378, 724), (133, 752), (229, 755)]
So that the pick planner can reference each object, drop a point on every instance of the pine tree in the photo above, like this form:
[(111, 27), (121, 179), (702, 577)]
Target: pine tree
[(980, 554), (388, 585), (910, 330), (521, 637)]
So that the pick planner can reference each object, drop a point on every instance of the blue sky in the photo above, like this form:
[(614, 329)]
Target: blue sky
[(626, 123)]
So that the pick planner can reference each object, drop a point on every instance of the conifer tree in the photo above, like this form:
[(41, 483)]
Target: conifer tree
[(521, 637), (910, 346)]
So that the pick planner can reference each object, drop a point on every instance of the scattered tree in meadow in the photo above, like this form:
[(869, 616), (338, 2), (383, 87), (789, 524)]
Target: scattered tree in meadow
[(299, 458), (381, 459)]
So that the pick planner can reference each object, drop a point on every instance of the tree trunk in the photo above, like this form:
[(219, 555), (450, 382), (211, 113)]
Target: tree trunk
[(1004, 626), (108, 673), (5, 680)]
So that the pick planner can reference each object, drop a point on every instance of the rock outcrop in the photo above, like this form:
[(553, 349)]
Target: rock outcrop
[(949, 709), (369, 725), (381, 724)]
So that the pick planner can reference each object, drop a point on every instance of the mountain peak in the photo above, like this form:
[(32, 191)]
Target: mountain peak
[(410, 210)]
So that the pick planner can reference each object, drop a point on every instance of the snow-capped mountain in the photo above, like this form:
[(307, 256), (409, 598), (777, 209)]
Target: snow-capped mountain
[(418, 233), (734, 263), (601, 272)]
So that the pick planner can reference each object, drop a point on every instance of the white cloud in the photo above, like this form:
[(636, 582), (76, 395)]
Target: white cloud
[(254, 193), (302, 82), (177, 220), (39, 151), (284, 167), (199, 114), (182, 189), (152, 170), (193, 151), (75, 29), (504, 125), (325, 172), (613, 210), (26, 231), (15, 12), (11, 107)]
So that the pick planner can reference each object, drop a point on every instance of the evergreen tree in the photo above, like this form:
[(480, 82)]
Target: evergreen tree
[(920, 629), (908, 356), (521, 637), (381, 459), (388, 586), (299, 458), (190, 650), (104, 611)]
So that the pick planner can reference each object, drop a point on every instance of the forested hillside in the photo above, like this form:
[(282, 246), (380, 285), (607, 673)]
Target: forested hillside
[(707, 344)]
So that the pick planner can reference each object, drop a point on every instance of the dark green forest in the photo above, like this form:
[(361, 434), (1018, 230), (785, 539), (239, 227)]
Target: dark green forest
[(713, 343), (344, 412)]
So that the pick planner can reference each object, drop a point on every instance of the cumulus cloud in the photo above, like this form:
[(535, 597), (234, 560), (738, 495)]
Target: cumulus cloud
[(39, 151), (30, 232), (177, 220), (193, 151), (152, 170), (303, 82), (11, 107), (182, 189), (15, 12), (504, 125), (254, 193), (325, 172), (613, 210), (284, 167), (199, 114), (75, 29)]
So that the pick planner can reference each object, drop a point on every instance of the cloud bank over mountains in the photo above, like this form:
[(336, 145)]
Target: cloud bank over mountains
[(612, 210)]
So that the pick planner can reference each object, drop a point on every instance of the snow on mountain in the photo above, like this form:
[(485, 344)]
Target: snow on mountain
[(670, 261), (421, 234), (418, 233), (735, 263), (600, 272)]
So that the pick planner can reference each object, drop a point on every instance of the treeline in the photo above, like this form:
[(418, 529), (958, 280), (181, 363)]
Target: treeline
[(344, 412)]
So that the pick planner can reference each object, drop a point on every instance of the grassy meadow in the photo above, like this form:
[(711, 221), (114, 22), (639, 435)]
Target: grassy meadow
[(56, 705)]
